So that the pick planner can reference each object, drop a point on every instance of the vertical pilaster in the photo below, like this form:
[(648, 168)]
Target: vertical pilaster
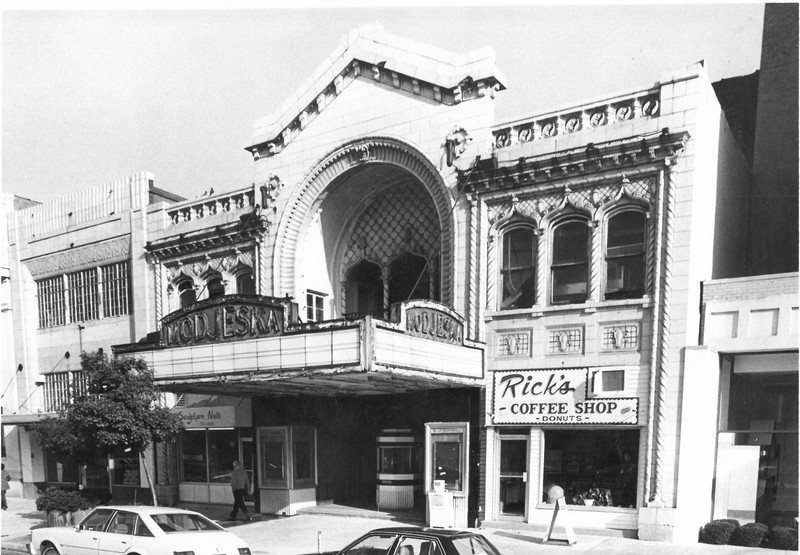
[(595, 260)]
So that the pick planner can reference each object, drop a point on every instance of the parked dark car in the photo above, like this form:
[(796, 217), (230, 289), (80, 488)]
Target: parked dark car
[(420, 541)]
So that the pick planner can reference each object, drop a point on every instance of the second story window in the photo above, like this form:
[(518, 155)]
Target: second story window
[(84, 295), (570, 262), (625, 255), (519, 269), (315, 306)]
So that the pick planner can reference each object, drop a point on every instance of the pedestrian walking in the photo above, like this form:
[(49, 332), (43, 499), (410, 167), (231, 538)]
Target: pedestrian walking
[(240, 484), (6, 486)]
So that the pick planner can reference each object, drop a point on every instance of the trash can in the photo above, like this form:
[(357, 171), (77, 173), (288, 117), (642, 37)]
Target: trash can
[(440, 509)]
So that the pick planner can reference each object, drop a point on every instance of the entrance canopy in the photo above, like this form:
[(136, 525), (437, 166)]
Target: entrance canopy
[(423, 347)]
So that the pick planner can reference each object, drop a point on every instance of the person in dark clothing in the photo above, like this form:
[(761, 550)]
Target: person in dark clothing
[(240, 484)]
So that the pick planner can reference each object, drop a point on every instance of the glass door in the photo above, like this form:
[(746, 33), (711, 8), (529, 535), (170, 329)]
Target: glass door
[(513, 475)]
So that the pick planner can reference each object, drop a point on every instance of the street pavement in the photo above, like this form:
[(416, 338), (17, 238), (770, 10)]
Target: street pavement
[(312, 534)]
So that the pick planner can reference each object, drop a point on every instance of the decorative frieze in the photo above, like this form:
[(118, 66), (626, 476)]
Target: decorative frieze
[(78, 257), (514, 344), (565, 340), (644, 104), (619, 336)]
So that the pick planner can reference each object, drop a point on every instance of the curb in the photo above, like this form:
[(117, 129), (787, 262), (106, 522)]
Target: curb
[(14, 547)]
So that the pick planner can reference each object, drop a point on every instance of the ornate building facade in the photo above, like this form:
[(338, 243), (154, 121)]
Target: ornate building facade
[(507, 304)]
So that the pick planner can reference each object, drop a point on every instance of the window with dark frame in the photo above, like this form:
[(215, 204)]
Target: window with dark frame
[(570, 262), (518, 270), (625, 255)]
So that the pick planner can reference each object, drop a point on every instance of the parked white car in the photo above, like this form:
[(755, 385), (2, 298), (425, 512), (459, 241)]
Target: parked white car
[(138, 530)]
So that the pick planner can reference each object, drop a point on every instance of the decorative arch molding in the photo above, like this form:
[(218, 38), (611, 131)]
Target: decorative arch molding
[(367, 150)]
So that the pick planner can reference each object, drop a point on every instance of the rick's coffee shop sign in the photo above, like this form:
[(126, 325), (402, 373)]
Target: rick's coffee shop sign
[(556, 396)]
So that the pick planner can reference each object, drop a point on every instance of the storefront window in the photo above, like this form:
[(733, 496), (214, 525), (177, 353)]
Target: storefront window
[(222, 451), (594, 467), (126, 470), (194, 456), (67, 470), (757, 447), (208, 454)]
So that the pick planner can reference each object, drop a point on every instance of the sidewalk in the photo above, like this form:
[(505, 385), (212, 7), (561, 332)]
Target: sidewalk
[(310, 534)]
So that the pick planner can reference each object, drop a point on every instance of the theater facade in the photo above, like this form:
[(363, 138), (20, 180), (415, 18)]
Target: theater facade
[(417, 307)]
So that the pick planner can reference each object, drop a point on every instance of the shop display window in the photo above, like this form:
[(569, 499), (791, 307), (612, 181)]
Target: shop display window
[(594, 467), (757, 445), (208, 454), (303, 457), (398, 459), (126, 470)]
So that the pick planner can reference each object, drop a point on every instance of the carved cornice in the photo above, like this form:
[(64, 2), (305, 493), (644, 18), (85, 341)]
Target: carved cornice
[(76, 258), (493, 177), (250, 227)]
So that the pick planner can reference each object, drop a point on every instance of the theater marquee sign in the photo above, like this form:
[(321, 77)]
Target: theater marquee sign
[(231, 318), (556, 396)]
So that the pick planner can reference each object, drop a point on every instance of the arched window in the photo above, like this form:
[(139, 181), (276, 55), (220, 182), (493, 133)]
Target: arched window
[(519, 269), (364, 290), (625, 255), (186, 293), (245, 283), (570, 262), (215, 286), (408, 279)]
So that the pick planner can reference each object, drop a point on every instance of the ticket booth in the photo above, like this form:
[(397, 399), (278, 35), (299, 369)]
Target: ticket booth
[(287, 467), (399, 469), (447, 473)]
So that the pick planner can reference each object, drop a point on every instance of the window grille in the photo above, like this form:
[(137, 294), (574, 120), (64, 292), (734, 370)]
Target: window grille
[(84, 295), (61, 388), (52, 311)]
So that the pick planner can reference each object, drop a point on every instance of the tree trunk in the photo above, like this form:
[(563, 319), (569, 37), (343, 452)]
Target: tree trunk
[(149, 479)]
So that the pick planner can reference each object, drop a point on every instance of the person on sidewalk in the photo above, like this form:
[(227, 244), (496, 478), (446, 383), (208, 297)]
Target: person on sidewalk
[(6, 476), (240, 484)]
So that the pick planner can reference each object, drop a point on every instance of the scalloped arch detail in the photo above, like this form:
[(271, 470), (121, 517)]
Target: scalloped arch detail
[(373, 150)]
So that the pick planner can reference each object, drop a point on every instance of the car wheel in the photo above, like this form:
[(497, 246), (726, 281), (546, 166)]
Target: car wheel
[(49, 549)]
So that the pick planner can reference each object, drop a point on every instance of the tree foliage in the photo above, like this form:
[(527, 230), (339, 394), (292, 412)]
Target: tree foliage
[(118, 411)]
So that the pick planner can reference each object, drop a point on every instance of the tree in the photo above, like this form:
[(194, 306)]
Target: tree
[(119, 411)]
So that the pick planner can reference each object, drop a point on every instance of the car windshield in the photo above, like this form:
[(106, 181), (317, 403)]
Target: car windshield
[(183, 522), (474, 545)]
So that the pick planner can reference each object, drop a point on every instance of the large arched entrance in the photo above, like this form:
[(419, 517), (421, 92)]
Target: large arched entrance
[(370, 226)]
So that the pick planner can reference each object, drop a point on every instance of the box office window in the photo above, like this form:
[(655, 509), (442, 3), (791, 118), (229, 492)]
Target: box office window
[(207, 455), (447, 444), (287, 457), (594, 467), (272, 459)]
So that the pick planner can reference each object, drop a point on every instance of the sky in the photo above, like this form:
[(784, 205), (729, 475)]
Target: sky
[(92, 96)]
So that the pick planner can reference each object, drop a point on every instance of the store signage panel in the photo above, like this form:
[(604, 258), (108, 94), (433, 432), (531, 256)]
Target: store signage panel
[(226, 319), (556, 396), (207, 417), (431, 323)]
